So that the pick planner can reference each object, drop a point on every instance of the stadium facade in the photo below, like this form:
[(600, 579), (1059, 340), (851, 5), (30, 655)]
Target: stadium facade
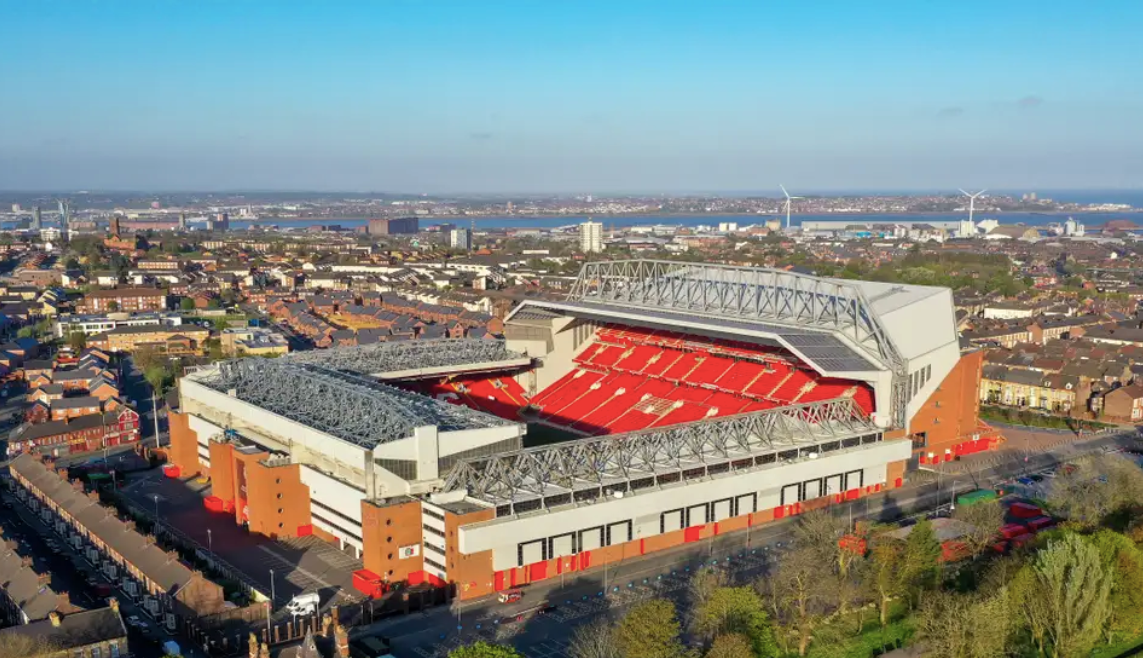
[(659, 403)]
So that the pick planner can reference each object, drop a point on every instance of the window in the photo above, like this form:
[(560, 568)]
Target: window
[(95, 652), (114, 649)]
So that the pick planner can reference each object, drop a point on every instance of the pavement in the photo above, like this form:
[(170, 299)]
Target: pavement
[(746, 555)]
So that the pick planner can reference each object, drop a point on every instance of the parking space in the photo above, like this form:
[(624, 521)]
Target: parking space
[(281, 568)]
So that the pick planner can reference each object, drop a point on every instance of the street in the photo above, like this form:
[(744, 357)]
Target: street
[(609, 590)]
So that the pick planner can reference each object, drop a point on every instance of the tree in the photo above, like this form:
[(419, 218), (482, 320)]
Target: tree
[(797, 587), (186, 304), (703, 584), (650, 630), (77, 340), (730, 646), (884, 573), (594, 640), (1124, 561), (484, 650), (964, 625), (1063, 597), (1095, 488), (19, 645), (738, 611), (921, 567), (113, 306), (983, 519)]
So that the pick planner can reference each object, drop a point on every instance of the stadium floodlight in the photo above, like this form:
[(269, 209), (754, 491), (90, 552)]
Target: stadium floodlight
[(971, 201), (788, 200)]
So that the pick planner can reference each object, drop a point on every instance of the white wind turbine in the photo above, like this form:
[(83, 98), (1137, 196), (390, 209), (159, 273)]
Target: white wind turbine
[(788, 200), (972, 201)]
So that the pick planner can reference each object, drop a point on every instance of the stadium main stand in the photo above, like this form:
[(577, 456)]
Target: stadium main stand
[(632, 379)]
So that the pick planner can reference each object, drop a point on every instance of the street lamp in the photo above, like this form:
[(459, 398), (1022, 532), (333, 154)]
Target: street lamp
[(273, 595), (210, 543), (155, 497)]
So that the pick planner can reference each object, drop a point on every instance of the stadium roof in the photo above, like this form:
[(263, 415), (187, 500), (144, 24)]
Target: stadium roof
[(392, 360), (350, 407), (783, 304), (587, 469)]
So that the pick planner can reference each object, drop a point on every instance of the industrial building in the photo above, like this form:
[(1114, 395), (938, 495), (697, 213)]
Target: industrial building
[(659, 403), (398, 226)]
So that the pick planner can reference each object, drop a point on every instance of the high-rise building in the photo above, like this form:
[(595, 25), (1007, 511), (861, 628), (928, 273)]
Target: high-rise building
[(16, 207), (1073, 229), (114, 227), (591, 237), (37, 219), (222, 222), (460, 238), (182, 221)]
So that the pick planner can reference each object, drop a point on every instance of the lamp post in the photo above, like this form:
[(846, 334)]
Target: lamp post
[(210, 543), (273, 594)]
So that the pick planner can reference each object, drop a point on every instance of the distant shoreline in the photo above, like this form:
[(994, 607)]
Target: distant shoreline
[(761, 216)]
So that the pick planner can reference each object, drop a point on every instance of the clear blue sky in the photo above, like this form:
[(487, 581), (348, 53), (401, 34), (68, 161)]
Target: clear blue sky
[(570, 96)]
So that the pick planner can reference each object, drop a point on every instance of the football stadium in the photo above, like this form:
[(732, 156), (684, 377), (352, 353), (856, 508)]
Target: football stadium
[(659, 403)]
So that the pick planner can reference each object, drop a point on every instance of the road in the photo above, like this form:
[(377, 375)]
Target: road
[(137, 389), (607, 590)]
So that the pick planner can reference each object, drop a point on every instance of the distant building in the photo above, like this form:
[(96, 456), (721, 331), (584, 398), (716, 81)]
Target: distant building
[(727, 227), (37, 219), (253, 341), (125, 299), (221, 222), (1073, 229), (460, 238), (591, 237), (399, 226)]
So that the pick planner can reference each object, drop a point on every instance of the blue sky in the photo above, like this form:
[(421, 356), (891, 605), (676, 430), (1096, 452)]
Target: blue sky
[(570, 96)]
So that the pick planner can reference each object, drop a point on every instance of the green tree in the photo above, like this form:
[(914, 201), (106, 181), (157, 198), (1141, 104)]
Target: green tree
[(1124, 561), (650, 630), (953, 625), (921, 567), (730, 646), (113, 306), (705, 581), (1064, 597), (484, 650), (738, 611), (186, 304)]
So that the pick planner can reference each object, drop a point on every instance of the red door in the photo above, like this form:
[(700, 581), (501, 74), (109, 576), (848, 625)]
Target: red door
[(537, 572), (498, 581)]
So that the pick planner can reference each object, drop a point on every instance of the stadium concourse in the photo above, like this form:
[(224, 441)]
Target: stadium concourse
[(687, 399)]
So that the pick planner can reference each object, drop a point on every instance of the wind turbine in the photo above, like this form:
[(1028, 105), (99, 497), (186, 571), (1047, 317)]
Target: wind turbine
[(972, 201), (788, 200)]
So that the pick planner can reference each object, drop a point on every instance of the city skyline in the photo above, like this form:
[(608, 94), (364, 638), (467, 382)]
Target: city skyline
[(519, 98)]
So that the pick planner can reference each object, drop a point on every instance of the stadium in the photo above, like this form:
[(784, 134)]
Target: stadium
[(660, 403)]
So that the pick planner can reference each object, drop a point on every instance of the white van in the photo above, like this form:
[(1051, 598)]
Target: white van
[(304, 604)]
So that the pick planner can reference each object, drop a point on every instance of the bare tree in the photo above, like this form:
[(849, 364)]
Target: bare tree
[(1095, 487), (964, 625), (594, 640), (983, 519), (798, 588), (703, 584), (19, 645)]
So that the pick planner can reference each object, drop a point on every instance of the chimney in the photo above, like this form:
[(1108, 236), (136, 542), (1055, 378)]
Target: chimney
[(25, 561), (55, 617), (340, 637), (77, 485), (44, 578), (63, 603), (252, 646), (129, 525), (62, 472), (114, 603)]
